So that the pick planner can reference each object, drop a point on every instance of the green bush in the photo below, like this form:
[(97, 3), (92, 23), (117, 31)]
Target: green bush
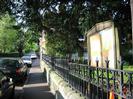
[(128, 59)]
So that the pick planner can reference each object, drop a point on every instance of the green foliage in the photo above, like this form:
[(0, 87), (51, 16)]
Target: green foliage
[(65, 21), (4, 6), (64, 24), (128, 67), (13, 38), (26, 41), (31, 47), (7, 33)]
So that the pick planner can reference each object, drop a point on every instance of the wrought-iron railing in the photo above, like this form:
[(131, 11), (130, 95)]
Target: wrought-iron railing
[(94, 82)]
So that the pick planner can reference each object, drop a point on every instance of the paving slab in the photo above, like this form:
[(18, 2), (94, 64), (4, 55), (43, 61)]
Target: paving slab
[(36, 86)]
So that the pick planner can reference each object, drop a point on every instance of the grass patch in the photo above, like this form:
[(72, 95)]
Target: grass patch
[(128, 68)]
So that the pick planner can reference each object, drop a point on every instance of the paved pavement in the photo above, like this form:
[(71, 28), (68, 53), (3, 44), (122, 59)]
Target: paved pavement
[(36, 86)]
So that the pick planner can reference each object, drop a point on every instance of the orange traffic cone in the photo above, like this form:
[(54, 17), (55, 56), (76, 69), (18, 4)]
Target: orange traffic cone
[(111, 95), (124, 90)]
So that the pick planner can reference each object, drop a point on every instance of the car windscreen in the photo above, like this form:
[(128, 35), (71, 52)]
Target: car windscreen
[(9, 63), (26, 59)]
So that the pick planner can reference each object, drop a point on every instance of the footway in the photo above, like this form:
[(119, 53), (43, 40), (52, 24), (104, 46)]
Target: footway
[(36, 86)]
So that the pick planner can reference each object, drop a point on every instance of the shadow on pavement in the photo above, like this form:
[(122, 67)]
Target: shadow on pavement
[(36, 86)]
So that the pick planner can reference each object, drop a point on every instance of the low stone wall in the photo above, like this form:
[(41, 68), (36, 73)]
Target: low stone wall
[(58, 85)]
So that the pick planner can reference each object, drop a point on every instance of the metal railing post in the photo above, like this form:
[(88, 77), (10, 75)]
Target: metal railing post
[(107, 79), (121, 77), (131, 85), (97, 63)]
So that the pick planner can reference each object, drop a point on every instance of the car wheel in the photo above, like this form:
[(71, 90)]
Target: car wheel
[(29, 65)]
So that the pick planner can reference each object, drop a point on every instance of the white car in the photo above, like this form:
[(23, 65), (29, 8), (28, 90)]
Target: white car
[(27, 60), (33, 56)]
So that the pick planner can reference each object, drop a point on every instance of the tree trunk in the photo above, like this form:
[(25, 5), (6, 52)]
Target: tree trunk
[(131, 4), (20, 50)]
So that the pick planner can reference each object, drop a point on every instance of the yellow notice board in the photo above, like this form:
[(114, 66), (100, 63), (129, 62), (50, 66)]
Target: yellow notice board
[(102, 44), (95, 49)]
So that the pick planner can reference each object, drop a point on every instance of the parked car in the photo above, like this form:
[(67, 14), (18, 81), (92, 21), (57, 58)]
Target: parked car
[(33, 56), (27, 60), (14, 68), (6, 87)]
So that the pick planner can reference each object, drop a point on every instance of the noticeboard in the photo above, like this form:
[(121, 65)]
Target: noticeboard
[(103, 44)]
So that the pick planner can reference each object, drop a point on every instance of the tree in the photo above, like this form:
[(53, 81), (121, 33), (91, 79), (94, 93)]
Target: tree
[(131, 4), (64, 38), (4, 6), (31, 41), (119, 12), (7, 33), (65, 21), (25, 41)]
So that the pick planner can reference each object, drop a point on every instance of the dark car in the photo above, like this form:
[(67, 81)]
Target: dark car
[(6, 87), (14, 68)]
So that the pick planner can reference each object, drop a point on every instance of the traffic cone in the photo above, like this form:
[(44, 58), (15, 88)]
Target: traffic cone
[(124, 90), (111, 95)]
